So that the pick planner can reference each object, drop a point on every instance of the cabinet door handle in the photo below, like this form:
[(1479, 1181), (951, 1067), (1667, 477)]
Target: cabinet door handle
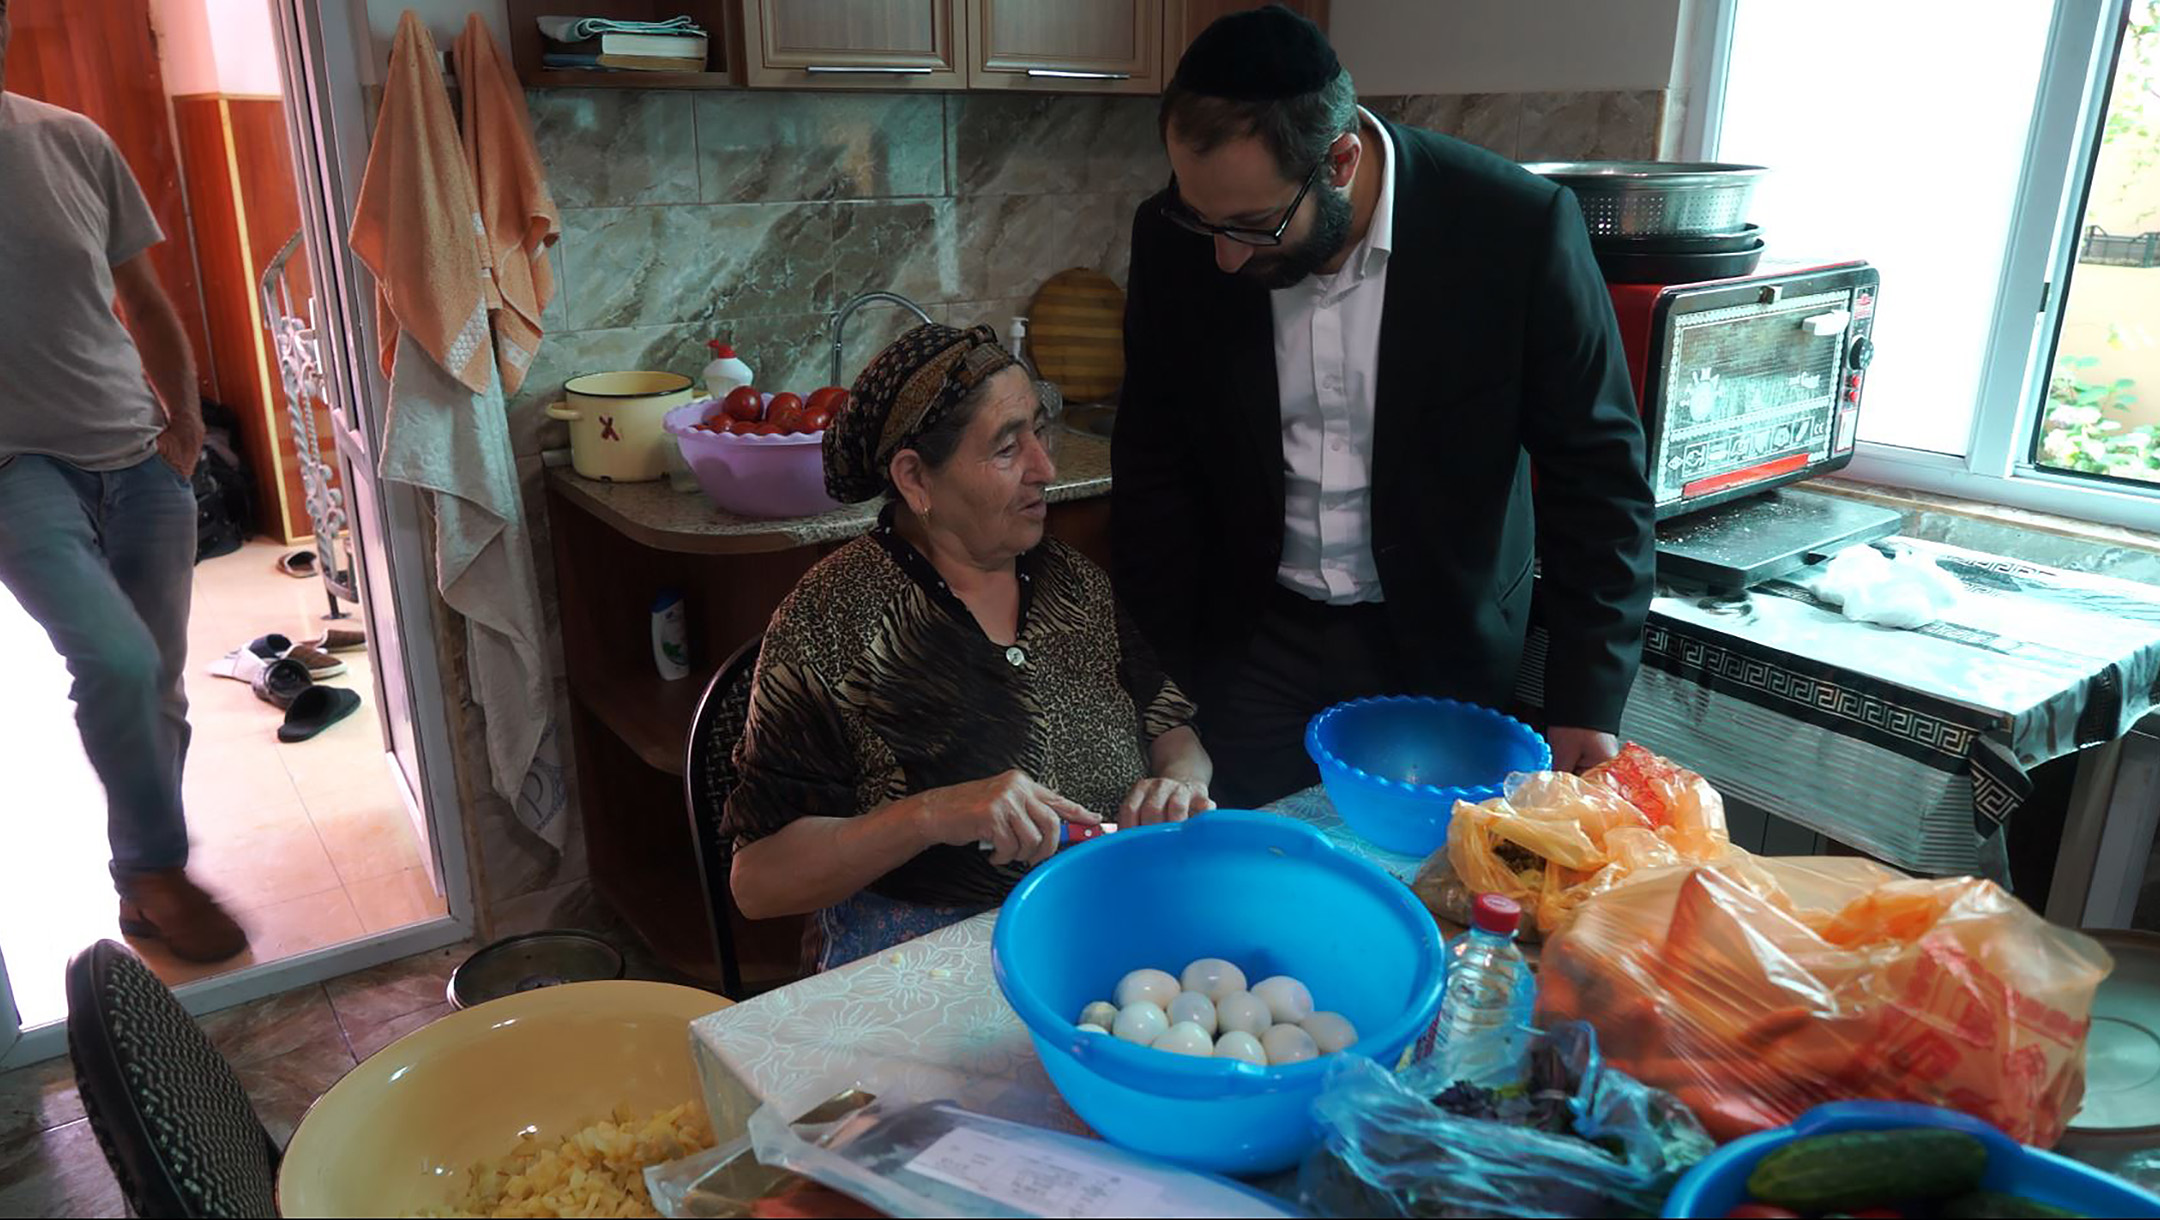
[(867, 70), (1070, 74)]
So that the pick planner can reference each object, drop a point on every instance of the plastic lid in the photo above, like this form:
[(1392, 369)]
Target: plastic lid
[(720, 349), (1496, 913)]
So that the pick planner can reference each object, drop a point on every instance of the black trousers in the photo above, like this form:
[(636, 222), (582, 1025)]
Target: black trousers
[(1255, 702)]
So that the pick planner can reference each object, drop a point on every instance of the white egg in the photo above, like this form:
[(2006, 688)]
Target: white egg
[(1196, 1008), (1212, 977), (1237, 1044), (1331, 1031), (1153, 986), (1243, 1012), (1288, 1044), (1089, 1027), (1186, 1038), (1140, 1022), (1286, 999), (1101, 1012)]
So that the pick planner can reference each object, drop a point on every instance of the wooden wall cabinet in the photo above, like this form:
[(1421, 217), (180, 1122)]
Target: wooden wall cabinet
[(1066, 46), (722, 69), (851, 44)]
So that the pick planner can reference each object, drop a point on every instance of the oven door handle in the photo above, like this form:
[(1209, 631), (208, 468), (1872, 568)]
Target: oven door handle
[(1823, 325)]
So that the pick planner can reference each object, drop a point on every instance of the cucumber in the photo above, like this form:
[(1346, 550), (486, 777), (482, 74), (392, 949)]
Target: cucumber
[(1856, 1169), (1982, 1204)]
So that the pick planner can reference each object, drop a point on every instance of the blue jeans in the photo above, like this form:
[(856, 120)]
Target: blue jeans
[(105, 561)]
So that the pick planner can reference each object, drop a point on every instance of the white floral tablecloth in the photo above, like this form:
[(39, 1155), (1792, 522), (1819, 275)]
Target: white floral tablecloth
[(928, 1010)]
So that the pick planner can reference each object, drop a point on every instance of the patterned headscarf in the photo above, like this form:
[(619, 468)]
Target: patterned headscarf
[(902, 394)]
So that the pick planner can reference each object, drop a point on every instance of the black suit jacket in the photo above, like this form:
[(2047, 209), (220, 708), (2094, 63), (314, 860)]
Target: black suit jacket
[(1498, 353)]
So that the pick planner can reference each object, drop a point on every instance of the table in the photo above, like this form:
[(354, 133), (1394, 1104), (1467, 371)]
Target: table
[(1914, 746), (926, 1011)]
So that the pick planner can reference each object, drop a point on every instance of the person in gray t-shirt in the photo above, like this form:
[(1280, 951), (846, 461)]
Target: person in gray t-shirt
[(100, 429)]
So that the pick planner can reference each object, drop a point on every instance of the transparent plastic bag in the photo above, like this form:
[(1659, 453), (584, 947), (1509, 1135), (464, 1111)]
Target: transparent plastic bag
[(906, 1156), (1555, 840), (1580, 1139), (718, 1182), (1857, 982)]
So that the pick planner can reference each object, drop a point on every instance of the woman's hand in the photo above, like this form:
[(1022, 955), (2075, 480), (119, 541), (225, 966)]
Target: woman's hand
[(1161, 799), (1016, 816)]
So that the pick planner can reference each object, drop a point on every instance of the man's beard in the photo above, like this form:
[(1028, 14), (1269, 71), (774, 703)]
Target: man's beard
[(1290, 264)]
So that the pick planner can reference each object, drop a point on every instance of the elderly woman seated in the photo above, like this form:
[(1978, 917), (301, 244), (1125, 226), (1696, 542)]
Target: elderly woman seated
[(936, 700)]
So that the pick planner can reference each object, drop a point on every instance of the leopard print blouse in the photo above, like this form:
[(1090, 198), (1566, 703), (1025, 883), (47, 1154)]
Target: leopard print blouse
[(875, 683)]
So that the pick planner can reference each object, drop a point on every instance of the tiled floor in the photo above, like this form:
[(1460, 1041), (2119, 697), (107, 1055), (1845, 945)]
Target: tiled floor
[(287, 1049), (309, 844)]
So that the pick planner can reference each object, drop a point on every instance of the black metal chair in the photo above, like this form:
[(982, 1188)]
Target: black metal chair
[(708, 777), (169, 1112)]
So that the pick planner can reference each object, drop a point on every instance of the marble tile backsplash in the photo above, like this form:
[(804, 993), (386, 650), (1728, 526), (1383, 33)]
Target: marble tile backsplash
[(751, 216)]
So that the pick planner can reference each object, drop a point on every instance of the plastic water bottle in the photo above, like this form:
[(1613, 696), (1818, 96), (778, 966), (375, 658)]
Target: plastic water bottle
[(1525, 978), (1477, 1038)]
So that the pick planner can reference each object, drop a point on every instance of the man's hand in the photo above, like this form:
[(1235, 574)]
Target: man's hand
[(1160, 799), (1577, 750), (180, 444)]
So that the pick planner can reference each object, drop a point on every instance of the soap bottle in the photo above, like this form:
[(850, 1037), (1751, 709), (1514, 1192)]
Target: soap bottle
[(726, 370)]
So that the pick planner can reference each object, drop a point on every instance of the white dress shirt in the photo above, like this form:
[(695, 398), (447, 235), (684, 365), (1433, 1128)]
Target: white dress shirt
[(1327, 357)]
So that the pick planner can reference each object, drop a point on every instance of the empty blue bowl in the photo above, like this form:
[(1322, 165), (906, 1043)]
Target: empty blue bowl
[(1395, 765), (1273, 896)]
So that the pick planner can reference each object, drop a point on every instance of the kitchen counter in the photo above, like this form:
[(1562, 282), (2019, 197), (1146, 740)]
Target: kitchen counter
[(660, 517)]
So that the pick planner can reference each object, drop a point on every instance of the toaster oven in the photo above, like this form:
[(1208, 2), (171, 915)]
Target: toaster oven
[(1748, 383)]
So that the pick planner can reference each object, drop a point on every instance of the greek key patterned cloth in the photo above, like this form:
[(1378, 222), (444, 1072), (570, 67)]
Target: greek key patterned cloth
[(1912, 745)]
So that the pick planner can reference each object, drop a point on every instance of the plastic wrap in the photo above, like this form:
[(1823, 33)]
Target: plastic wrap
[(1855, 982), (1556, 840), (910, 1157), (1579, 1139)]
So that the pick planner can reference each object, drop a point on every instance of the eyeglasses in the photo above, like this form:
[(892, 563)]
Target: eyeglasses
[(1175, 211)]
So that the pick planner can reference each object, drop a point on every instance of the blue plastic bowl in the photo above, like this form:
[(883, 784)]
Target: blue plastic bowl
[(1718, 1183), (1270, 894), (1394, 766)]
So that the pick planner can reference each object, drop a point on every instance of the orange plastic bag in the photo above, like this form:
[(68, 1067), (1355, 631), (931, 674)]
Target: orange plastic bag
[(1555, 840), (1851, 981)]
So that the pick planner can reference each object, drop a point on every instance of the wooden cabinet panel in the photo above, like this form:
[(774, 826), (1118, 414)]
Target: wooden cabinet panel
[(851, 44), (1066, 46), (1184, 19)]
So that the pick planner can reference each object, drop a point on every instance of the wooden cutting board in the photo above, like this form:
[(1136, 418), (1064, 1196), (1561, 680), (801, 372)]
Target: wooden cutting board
[(1076, 334)]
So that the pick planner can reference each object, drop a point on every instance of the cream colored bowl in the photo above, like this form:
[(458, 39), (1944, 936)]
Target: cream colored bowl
[(615, 423), (397, 1134)]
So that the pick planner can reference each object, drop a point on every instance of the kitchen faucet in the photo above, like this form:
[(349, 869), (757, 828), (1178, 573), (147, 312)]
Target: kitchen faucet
[(840, 317)]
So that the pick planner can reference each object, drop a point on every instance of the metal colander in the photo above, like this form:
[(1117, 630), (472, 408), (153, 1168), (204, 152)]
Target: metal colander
[(1644, 198)]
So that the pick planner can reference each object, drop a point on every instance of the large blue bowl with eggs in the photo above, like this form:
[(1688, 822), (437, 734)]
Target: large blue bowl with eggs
[(1395, 765), (1271, 895)]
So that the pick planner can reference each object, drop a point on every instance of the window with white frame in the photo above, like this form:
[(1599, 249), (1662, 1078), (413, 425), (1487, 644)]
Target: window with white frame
[(2001, 165)]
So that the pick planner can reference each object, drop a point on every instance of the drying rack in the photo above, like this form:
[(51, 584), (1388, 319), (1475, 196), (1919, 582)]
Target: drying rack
[(300, 368)]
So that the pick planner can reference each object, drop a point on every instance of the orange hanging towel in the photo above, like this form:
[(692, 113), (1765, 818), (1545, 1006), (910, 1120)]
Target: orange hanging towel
[(516, 209), (417, 226)]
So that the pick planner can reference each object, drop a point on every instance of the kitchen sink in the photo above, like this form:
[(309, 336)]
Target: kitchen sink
[(1091, 419)]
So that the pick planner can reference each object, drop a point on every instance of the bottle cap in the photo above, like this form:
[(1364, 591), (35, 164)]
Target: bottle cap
[(720, 349), (1496, 913)]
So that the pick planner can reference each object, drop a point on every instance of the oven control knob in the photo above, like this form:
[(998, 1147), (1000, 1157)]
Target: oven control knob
[(1863, 351)]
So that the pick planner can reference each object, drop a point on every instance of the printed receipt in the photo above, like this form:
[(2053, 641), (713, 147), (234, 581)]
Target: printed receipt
[(1042, 1179)]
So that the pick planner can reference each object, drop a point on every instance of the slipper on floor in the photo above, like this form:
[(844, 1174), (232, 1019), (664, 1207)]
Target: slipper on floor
[(319, 664), (340, 639), (281, 682), (298, 563), (317, 708)]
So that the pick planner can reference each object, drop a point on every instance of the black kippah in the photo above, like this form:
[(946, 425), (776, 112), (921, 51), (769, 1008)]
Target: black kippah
[(1259, 55)]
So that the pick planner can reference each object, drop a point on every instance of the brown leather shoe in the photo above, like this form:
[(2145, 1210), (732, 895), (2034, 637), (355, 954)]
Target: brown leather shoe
[(166, 905)]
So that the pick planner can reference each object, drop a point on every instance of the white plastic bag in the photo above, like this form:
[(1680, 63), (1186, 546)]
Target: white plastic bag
[(1908, 591)]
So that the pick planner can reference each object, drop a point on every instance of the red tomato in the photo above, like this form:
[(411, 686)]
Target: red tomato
[(816, 419), (1762, 1211), (744, 403), (765, 428), (830, 399), (785, 410)]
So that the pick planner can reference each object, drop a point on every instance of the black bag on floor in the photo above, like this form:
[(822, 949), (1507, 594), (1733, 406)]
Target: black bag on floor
[(224, 492)]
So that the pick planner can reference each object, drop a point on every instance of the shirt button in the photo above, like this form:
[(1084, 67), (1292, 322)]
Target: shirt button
[(1336, 444)]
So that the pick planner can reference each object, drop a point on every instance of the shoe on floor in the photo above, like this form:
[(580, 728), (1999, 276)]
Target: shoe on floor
[(298, 563), (317, 708), (340, 639), (164, 905), (319, 664)]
